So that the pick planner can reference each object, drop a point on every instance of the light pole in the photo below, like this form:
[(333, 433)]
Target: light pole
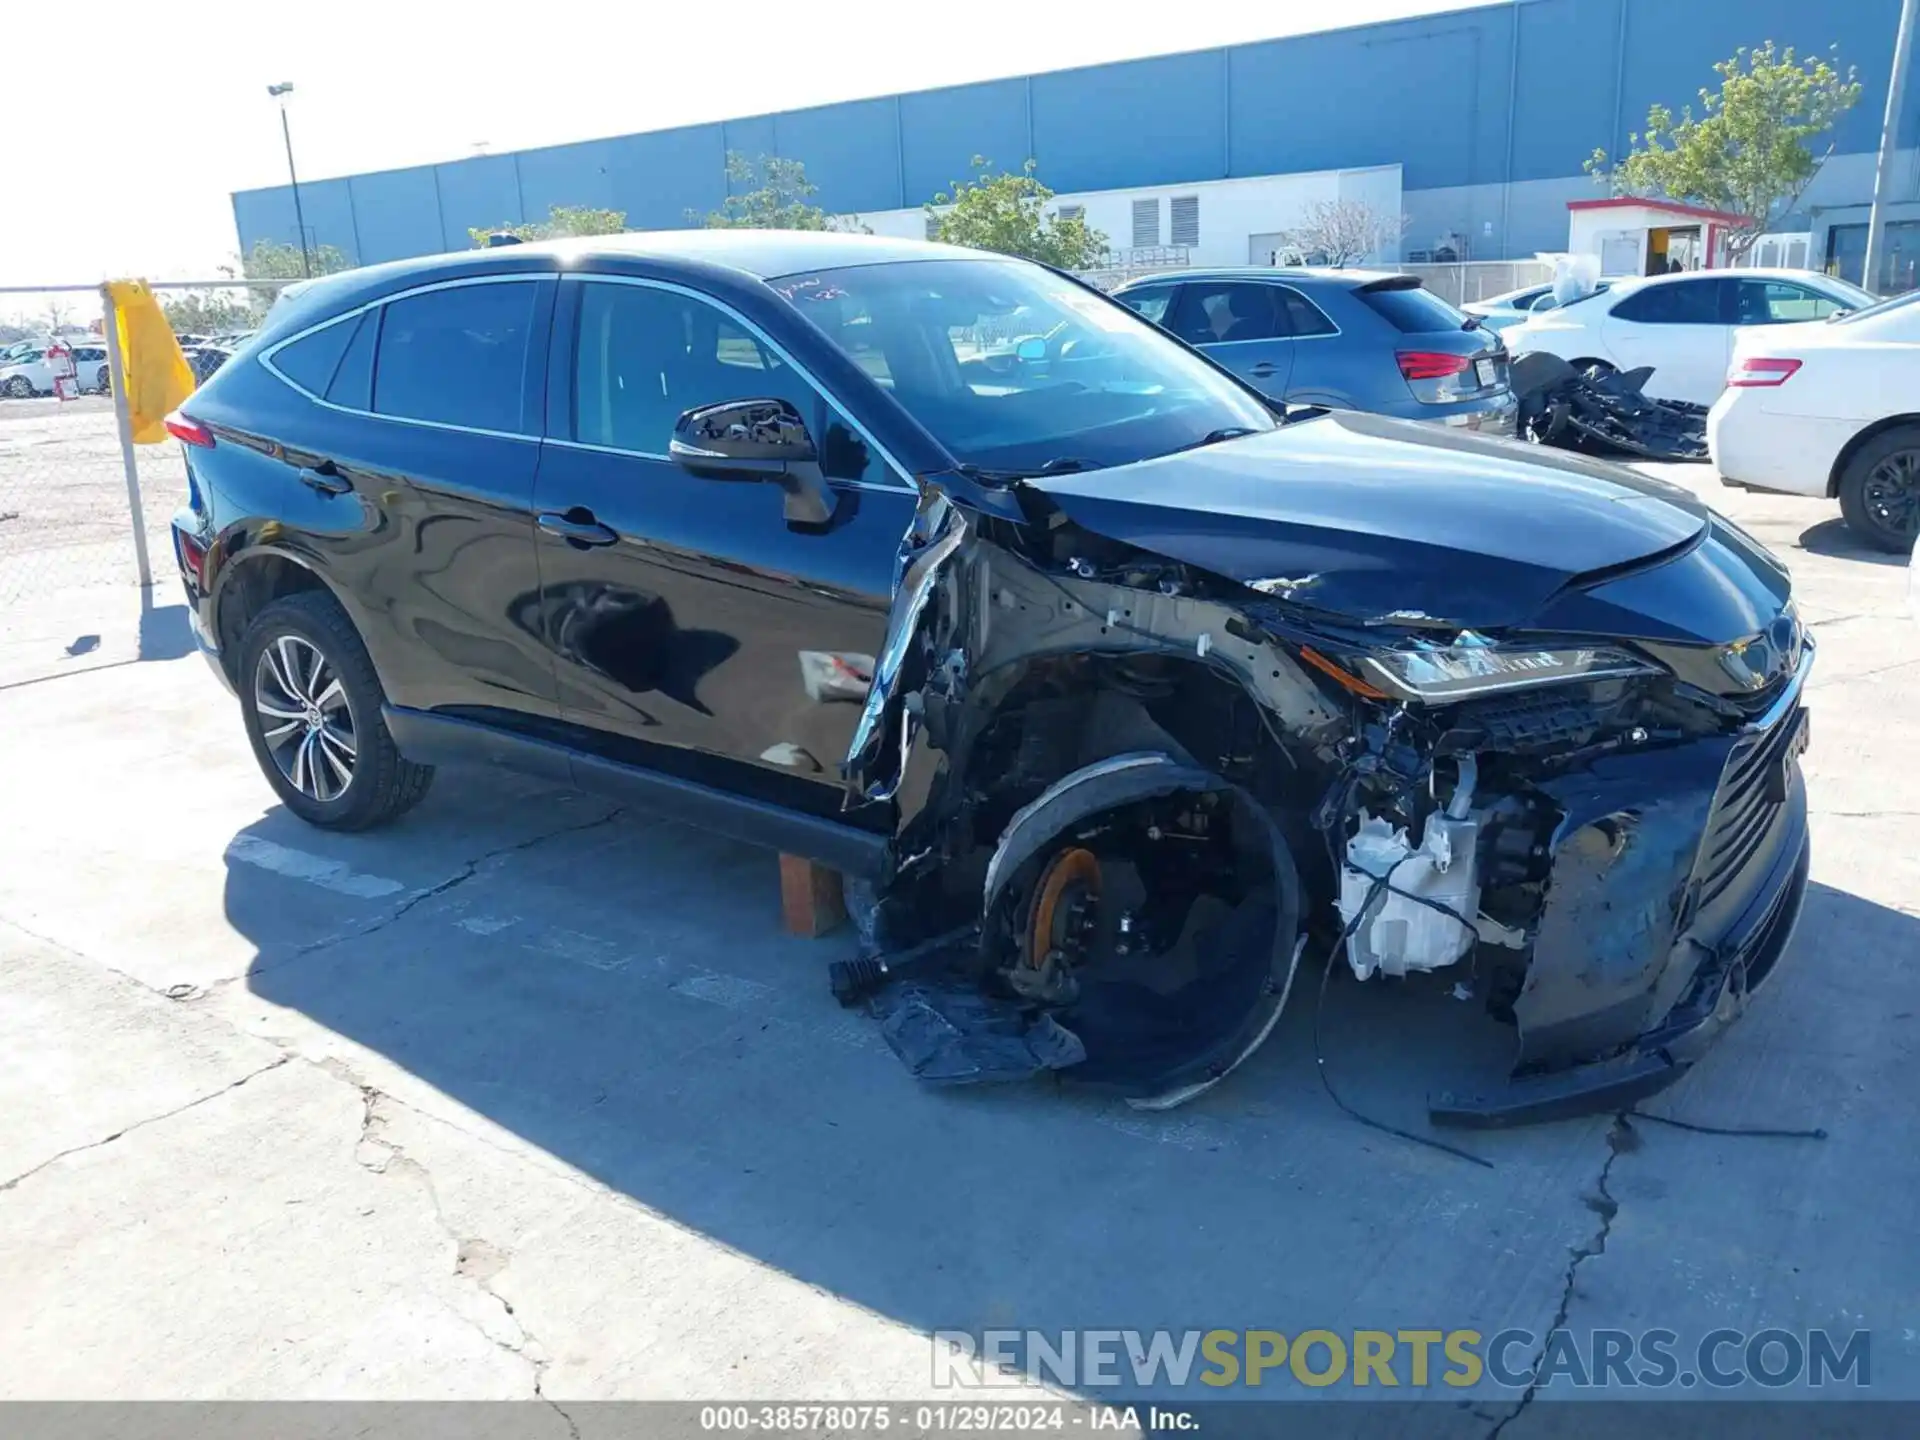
[(1889, 135), (280, 93)]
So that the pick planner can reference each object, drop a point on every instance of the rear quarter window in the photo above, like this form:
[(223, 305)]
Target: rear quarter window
[(310, 361), (1412, 310)]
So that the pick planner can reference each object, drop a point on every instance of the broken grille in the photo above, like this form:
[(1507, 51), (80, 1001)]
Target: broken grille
[(1752, 791)]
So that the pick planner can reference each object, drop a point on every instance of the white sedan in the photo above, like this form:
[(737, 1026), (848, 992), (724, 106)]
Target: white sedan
[(1830, 409), (28, 373), (1681, 325)]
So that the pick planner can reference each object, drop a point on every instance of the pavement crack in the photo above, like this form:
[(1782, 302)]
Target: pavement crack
[(126, 1130), (469, 869), (475, 1259), (1621, 1138)]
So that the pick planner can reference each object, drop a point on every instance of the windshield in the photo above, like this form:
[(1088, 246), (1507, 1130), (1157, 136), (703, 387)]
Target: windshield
[(1877, 308), (1015, 369)]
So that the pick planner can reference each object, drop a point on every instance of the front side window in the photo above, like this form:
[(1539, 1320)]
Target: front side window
[(644, 356), (1012, 367), (1150, 302), (1780, 302), (457, 356)]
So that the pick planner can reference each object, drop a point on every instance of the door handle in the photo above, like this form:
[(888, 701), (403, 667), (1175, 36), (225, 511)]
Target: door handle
[(1264, 369), (577, 527), (324, 478)]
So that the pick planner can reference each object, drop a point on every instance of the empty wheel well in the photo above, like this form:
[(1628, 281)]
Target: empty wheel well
[(256, 582), (1853, 446), (1042, 719)]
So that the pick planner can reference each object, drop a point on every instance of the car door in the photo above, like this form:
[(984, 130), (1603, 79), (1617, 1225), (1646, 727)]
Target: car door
[(1682, 328), (692, 630), (1239, 324), (1314, 345), (410, 481)]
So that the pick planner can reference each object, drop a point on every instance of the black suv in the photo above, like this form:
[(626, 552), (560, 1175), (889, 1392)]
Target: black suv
[(947, 571)]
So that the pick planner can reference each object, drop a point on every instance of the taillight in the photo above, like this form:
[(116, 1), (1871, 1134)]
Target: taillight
[(189, 431), (192, 556), (1431, 364), (1755, 371)]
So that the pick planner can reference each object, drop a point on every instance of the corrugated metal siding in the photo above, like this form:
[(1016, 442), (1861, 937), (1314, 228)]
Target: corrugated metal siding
[(1468, 102)]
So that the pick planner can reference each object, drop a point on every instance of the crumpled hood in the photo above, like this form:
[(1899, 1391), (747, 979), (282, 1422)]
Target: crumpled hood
[(1393, 520)]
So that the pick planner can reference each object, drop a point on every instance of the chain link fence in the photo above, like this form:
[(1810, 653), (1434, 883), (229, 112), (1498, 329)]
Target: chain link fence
[(71, 493)]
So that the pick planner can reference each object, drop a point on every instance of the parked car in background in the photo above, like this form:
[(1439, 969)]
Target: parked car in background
[(1499, 312), (28, 373), (1681, 325), (1832, 409), (1346, 339), (768, 531)]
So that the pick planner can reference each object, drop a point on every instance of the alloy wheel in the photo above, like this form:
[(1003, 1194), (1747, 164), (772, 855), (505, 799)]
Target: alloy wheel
[(1891, 494), (20, 388), (305, 719)]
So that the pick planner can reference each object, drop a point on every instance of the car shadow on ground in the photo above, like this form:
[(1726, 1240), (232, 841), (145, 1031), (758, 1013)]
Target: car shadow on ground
[(1833, 538), (622, 998)]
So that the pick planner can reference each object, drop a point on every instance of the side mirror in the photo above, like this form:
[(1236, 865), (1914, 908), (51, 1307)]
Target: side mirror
[(756, 440), (1033, 347), (741, 439)]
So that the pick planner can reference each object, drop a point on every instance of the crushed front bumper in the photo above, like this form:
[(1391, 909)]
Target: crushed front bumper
[(1677, 881)]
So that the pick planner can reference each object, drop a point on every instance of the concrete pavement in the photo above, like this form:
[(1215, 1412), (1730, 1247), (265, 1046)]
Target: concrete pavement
[(529, 1096)]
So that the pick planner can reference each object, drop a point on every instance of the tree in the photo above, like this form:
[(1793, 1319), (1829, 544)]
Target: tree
[(779, 200), (561, 221), (272, 260), (1339, 232), (1008, 213), (1748, 151), (207, 312)]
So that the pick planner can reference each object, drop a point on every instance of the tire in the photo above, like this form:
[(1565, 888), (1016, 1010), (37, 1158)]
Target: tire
[(20, 388), (104, 381), (1880, 490), (311, 703)]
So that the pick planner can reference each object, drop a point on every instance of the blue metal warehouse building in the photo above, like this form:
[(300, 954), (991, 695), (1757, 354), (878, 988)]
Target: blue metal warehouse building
[(1488, 112)]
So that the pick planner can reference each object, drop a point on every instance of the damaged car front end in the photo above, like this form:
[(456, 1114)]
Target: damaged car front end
[(1151, 728)]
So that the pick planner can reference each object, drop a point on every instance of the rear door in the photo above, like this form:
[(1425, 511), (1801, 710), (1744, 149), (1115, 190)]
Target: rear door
[(411, 480), (691, 629), (1240, 324), (1682, 329), (1315, 343)]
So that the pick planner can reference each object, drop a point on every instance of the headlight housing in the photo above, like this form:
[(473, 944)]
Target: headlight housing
[(1441, 674)]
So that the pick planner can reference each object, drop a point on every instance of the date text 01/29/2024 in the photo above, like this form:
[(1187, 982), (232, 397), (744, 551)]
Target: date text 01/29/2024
[(937, 1418)]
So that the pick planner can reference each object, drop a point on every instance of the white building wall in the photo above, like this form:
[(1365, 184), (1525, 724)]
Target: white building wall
[(1232, 212)]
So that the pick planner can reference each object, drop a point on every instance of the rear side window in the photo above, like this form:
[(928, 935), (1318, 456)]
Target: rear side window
[(1412, 309), (1225, 313), (1303, 319), (1683, 302), (310, 361), (457, 357)]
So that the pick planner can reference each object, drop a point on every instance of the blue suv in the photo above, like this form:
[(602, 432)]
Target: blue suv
[(1346, 339)]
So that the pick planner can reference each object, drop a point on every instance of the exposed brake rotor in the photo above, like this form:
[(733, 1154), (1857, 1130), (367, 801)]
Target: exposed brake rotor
[(1064, 903)]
